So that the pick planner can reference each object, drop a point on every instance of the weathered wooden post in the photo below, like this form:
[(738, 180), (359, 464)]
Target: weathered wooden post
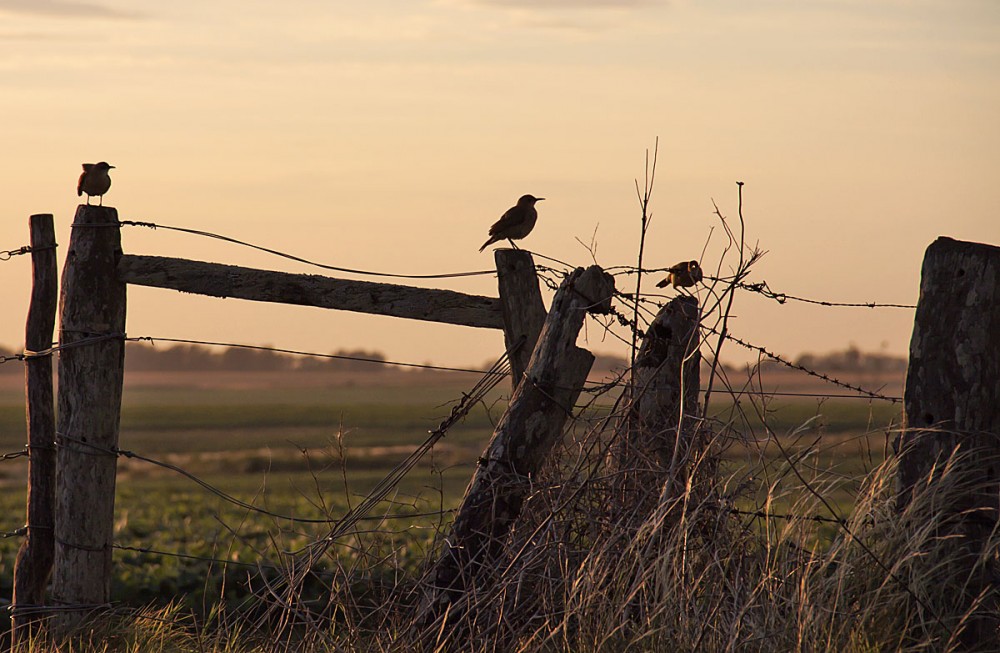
[(523, 439), (952, 405), (660, 427), (521, 303), (91, 370), (34, 558)]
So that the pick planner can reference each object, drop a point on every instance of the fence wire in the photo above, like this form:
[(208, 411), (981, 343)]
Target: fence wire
[(292, 257)]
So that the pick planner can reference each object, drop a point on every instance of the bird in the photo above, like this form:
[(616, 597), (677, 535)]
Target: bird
[(684, 274), (94, 180), (516, 222)]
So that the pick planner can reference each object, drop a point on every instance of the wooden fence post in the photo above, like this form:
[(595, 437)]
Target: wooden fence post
[(522, 307), (659, 428), (34, 559), (91, 371), (952, 405), (523, 439)]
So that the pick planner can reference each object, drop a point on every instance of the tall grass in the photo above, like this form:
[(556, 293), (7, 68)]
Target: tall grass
[(579, 573)]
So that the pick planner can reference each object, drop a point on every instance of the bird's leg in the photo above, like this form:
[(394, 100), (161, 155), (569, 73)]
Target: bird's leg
[(512, 243)]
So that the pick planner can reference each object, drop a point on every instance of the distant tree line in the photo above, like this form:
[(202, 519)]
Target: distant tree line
[(851, 359), (142, 357)]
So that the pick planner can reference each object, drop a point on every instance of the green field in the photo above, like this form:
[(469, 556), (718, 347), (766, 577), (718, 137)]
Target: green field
[(312, 452)]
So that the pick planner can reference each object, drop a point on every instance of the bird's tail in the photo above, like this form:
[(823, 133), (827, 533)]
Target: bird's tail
[(487, 243)]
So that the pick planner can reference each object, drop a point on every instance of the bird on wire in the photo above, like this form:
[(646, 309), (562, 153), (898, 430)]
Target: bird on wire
[(516, 223), (94, 180), (684, 274)]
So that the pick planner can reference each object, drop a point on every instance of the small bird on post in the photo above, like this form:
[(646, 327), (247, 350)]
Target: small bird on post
[(517, 222), (94, 180), (684, 274)]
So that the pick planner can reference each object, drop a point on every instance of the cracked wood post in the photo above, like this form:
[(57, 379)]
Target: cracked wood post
[(34, 558), (90, 391), (661, 425), (951, 404), (523, 439), (521, 305)]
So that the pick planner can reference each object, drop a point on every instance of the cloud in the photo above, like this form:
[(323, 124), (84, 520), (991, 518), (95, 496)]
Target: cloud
[(571, 17), (64, 9)]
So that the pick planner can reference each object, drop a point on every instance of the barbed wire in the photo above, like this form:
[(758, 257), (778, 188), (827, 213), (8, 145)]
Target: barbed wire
[(291, 257), (590, 386), (819, 375), (863, 392), (295, 352), (760, 288), (15, 454), (118, 452), (57, 347)]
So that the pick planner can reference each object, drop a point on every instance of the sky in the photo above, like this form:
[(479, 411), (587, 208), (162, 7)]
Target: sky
[(389, 135)]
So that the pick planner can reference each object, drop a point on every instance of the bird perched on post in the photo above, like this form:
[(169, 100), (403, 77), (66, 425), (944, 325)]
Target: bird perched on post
[(517, 222), (686, 274), (94, 180)]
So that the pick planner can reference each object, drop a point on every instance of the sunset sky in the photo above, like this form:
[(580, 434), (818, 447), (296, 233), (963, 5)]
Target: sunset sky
[(389, 135)]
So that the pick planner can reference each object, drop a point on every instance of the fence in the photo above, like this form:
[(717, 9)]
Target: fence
[(71, 524)]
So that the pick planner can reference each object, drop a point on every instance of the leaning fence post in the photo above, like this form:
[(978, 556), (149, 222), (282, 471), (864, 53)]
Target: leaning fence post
[(952, 405), (523, 439), (91, 370), (34, 558), (522, 307)]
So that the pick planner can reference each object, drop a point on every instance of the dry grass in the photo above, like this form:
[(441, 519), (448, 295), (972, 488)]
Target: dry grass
[(583, 571)]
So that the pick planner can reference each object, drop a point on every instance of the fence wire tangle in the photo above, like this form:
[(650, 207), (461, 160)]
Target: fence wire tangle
[(308, 555)]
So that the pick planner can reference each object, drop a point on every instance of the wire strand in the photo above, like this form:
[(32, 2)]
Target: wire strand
[(292, 257)]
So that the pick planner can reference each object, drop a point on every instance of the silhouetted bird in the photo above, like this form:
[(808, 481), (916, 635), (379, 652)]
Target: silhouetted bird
[(94, 180), (517, 222), (686, 274)]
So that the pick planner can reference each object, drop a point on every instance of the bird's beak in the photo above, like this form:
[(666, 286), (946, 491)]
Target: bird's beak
[(539, 199), (110, 167)]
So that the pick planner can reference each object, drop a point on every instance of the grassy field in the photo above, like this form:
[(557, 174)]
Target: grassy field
[(310, 446)]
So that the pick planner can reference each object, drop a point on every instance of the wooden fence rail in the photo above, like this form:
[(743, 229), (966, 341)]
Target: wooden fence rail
[(217, 280)]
